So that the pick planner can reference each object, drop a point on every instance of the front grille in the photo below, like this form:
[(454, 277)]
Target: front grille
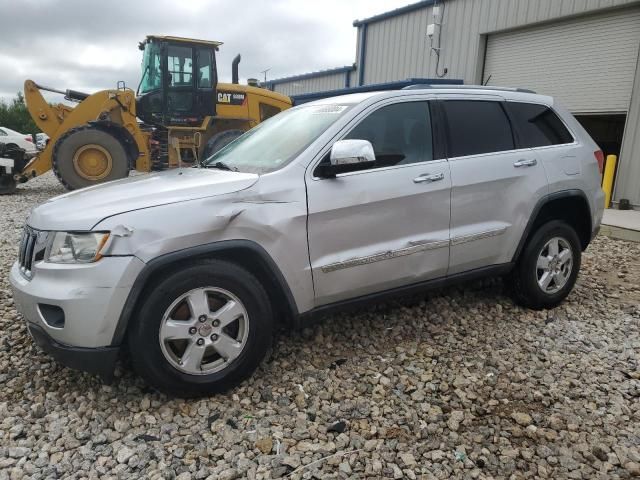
[(29, 249)]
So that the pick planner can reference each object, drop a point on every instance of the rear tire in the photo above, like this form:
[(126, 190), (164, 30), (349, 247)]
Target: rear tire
[(548, 267), (187, 351), (86, 156), (219, 141)]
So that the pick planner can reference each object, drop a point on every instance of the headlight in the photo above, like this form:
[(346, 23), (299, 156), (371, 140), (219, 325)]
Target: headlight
[(76, 247)]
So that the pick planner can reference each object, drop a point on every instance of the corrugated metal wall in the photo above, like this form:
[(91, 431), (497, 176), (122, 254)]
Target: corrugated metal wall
[(332, 81), (398, 47), (628, 177), (572, 59), (353, 78)]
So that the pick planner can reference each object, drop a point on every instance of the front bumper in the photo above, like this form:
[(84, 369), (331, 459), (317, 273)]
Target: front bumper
[(86, 300), (98, 361)]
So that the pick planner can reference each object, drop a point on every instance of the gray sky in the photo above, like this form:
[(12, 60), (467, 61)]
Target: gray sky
[(89, 45)]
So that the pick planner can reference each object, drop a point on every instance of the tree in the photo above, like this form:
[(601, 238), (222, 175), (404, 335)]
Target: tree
[(14, 115)]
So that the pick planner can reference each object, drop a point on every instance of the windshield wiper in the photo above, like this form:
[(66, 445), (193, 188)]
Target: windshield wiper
[(221, 166)]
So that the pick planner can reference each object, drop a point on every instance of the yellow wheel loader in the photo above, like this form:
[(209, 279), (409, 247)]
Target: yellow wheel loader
[(178, 116)]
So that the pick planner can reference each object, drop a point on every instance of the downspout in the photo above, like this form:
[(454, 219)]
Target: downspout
[(362, 53)]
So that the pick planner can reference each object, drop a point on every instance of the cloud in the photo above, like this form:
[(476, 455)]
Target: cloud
[(88, 46)]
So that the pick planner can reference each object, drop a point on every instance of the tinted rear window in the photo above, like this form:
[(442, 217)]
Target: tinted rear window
[(538, 125), (476, 127)]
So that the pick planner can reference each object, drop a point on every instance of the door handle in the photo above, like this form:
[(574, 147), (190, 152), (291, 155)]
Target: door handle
[(525, 163), (428, 178)]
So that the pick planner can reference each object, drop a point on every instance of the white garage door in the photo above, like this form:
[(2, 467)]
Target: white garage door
[(587, 63)]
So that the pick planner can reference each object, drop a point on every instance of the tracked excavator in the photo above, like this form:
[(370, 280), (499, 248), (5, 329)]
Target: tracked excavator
[(178, 116)]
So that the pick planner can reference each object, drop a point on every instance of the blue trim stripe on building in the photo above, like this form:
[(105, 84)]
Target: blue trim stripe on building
[(394, 13)]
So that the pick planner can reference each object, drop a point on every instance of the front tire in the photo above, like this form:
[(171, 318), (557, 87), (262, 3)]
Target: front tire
[(548, 267), (86, 156), (202, 330)]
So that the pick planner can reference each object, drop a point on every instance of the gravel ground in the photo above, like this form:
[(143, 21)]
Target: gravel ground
[(459, 383)]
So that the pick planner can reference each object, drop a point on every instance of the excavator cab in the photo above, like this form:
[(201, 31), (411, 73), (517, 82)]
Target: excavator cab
[(178, 81)]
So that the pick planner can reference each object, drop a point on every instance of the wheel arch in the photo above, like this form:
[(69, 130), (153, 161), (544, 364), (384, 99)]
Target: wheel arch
[(245, 253), (570, 206), (122, 135)]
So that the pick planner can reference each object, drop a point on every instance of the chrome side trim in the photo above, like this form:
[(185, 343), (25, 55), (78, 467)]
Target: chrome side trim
[(419, 246), (378, 257), (477, 236)]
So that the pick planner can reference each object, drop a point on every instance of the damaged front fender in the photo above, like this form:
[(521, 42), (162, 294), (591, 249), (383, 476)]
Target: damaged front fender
[(288, 305)]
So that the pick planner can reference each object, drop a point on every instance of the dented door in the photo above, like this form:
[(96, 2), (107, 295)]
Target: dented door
[(388, 226)]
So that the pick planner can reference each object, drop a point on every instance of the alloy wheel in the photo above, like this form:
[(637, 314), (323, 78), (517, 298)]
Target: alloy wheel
[(204, 330), (554, 265)]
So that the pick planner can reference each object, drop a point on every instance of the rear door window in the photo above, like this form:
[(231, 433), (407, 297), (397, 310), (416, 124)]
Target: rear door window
[(475, 127), (537, 125)]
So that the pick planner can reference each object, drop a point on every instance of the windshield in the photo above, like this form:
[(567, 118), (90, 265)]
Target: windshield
[(151, 78), (277, 141)]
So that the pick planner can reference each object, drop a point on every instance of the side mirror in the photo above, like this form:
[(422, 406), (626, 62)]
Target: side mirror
[(347, 156), (348, 152)]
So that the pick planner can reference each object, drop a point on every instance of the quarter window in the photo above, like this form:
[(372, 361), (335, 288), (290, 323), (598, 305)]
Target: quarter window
[(537, 125), (476, 127), (400, 133)]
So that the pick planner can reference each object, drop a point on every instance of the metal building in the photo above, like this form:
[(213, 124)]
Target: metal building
[(583, 52)]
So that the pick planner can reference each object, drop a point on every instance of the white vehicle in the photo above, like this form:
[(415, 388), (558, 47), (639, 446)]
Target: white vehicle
[(330, 203), (22, 140)]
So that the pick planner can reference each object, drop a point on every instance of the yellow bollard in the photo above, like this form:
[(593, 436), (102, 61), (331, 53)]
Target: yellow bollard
[(607, 179)]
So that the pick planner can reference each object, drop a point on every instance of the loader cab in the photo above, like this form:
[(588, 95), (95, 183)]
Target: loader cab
[(178, 81)]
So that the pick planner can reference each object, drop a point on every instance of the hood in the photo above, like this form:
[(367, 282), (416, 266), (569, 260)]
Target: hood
[(82, 209)]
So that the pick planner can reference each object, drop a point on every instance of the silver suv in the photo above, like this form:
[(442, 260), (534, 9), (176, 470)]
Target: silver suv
[(329, 203)]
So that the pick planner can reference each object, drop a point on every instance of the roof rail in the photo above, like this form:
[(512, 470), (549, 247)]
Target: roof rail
[(422, 86), (374, 87)]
